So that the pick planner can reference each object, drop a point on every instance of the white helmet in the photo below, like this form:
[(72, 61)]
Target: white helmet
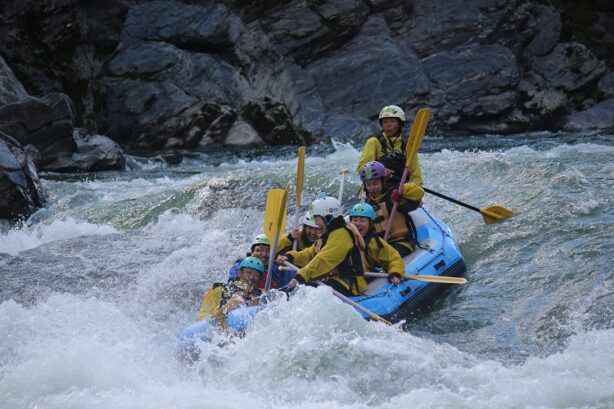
[(392, 111), (327, 207), (307, 220)]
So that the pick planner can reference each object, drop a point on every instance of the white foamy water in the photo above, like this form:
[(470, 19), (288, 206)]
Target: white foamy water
[(94, 293), (29, 237)]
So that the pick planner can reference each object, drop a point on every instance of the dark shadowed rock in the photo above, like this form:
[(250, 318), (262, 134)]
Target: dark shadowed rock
[(606, 85), (272, 121), (366, 84), (600, 116), (183, 73), (46, 123), (20, 190), (94, 152), (11, 90), (473, 82), (569, 66), (546, 22)]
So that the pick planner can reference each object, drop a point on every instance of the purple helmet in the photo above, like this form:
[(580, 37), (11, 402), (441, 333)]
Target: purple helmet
[(372, 170)]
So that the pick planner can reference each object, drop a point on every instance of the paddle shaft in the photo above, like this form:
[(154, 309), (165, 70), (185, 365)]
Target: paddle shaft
[(345, 299), (355, 305), (269, 274), (395, 205), (343, 172), (427, 278), (451, 199)]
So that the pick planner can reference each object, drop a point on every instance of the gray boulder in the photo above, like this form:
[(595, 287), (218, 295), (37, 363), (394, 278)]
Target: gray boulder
[(600, 116), (46, 123), (93, 153), (570, 66), (11, 90), (606, 85), (183, 75), (21, 192), (473, 84)]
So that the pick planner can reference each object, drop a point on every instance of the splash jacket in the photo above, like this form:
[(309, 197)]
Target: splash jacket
[(222, 298), (380, 145), (401, 232), (338, 260), (286, 242), (381, 254)]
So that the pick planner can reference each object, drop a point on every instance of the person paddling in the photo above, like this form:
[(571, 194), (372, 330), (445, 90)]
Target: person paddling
[(373, 176), (222, 298), (335, 258), (378, 252), (260, 248), (304, 236), (388, 147)]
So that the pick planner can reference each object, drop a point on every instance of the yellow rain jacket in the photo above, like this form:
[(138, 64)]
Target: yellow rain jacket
[(286, 241), (373, 151), (338, 259), (381, 254)]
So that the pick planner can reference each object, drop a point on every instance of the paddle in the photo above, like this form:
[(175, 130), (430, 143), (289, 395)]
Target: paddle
[(490, 214), (427, 278), (342, 172), (416, 135), (345, 299), (300, 175), (274, 222), (354, 304)]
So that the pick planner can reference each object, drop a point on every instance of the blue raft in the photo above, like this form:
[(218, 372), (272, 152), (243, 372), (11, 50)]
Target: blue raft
[(437, 253)]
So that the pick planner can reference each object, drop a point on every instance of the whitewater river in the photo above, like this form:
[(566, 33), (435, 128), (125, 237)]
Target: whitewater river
[(94, 288)]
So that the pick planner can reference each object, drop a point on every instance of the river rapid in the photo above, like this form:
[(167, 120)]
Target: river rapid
[(95, 287)]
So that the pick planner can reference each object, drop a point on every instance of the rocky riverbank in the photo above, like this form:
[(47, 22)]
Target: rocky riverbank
[(80, 79)]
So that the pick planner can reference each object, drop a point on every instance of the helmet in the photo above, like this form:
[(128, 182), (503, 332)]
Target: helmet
[(308, 220), (372, 170), (261, 240), (327, 207), (392, 111), (363, 210), (252, 262)]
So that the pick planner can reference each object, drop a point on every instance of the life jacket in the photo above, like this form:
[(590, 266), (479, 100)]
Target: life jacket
[(371, 235), (352, 265), (391, 158), (400, 229)]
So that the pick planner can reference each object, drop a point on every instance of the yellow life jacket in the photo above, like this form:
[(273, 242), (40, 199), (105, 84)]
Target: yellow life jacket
[(399, 227)]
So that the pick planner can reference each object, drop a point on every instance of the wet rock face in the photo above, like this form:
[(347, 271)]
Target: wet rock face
[(45, 126), (20, 190), (190, 72), (184, 74)]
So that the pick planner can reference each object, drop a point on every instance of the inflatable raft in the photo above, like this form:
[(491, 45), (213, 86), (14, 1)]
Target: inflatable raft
[(437, 253)]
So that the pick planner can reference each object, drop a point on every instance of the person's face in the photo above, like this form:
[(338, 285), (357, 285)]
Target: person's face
[(311, 232), (262, 252), (251, 275), (374, 187), (391, 125), (320, 222), (362, 224)]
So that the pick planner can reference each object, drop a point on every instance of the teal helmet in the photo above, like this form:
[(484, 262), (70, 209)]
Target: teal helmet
[(252, 262), (363, 210)]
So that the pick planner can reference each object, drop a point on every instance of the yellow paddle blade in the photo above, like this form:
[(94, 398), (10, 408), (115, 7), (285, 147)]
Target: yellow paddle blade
[(495, 213), (300, 175), (436, 279), (416, 134), (275, 212)]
